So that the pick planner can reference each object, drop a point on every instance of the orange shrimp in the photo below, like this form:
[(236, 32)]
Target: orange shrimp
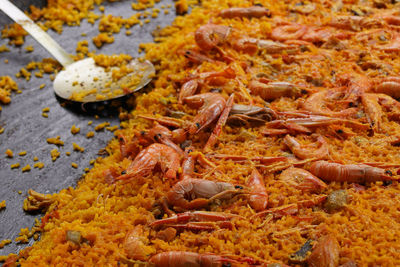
[(309, 151), (259, 200), (128, 147), (212, 140), (210, 35), (325, 253), (351, 173), (155, 154), (194, 193), (189, 88), (354, 23), (317, 34), (252, 45), (195, 57), (135, 244), (373, 111), (389, 86), (302, 179), (245, 12), (392, 46), (288, 32), (163, 135), (317, 104), (192, 259), (197, 220), (211, 106), (274, 90)]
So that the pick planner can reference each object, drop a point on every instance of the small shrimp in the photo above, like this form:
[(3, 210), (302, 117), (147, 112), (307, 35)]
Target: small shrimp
[(309, 151), (155, 154), (163, 135), (373, 111), (211, 106), (351, 173), (212, 140), (194, 193), (389, 86), (245, 12), (288, 32), (259, 200), (325, 253), (354, 23), (197, 220), (392, 46), (192, 259), (128, 147), (302, 179), (249, 114), (316, 103), (135, 244), (195, 57), (210, 35), (318, 34), (274, 90), (189, 88)]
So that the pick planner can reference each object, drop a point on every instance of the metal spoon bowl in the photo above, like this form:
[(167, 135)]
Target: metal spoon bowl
[(83, 81)]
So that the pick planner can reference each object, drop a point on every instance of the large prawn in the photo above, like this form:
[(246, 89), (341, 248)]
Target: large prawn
[(155, 154), (351, 173), (211, 106), (192, 193), (193, 259), (309, 151), (259, 199), (247, 12)]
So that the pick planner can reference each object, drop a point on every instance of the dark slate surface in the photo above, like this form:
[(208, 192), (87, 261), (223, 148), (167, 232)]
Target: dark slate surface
[(26, 129)]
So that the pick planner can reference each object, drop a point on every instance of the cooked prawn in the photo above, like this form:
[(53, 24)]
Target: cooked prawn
[(197, 220), (273, 90), (373, 111), (211, 106), (302, 179), (247, 12), (351, 173), (210, 35), (288, 32), (135, 244), (212, 140), (192, 259), (189, 88), (194, 193), (259, 200), (155, 154), (309, 151), (389, 86), (325, 252), (317, 104)]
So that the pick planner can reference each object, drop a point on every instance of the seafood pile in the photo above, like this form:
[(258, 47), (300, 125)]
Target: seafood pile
[(270, 139)]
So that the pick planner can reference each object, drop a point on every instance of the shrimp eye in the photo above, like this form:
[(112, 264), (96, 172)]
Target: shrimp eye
[(340, 131), (238, 187), (198, 125), (386, 183), (142, 132), (388, 172), (157, 137), (123, 172)]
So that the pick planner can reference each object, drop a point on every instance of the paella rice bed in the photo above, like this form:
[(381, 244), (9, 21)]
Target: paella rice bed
[(105, 212)]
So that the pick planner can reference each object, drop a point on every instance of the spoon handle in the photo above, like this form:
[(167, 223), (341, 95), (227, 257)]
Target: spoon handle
[(36, 32)]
